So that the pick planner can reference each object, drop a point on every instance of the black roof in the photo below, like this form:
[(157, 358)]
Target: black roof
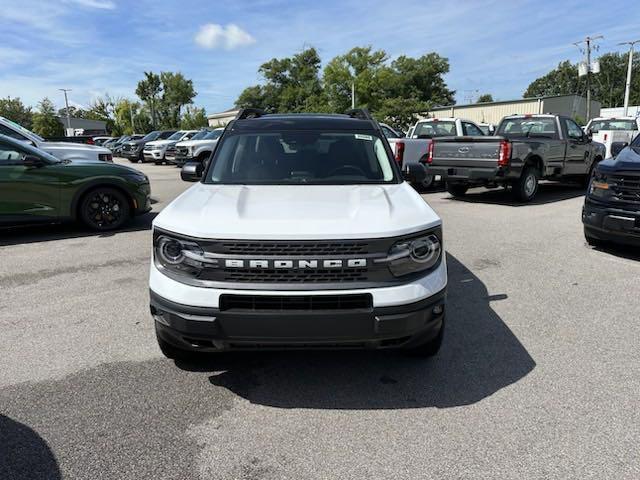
[(302, 121)]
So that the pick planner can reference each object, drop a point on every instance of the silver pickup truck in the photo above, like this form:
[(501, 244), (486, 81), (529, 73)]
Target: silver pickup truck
[(527, 148), (415, 149)]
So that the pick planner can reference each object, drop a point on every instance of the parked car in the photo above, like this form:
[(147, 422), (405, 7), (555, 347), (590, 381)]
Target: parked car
[(133, 150), (116, 147), (36, 187), (198, 150), (487, 128), (390, 132), (155, 150), (414, 149), (100, 141), (61, 150), (170, 153), (528, 148), (611, 211), (301, 233), (608, 130)]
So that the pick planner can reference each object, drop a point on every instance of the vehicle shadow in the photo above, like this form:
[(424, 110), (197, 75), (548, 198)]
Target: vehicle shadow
[(547, 193), (623, 251), (24, 455), (43, 233), (480, 356)]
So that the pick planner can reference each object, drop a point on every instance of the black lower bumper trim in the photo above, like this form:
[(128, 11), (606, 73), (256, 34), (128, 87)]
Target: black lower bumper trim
[(611, 224), (209, 329)]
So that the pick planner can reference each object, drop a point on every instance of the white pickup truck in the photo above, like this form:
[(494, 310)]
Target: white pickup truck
[(607, 130), (412, 150), (77, 152)]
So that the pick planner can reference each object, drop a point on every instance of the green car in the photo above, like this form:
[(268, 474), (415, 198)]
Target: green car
[(36, 187)]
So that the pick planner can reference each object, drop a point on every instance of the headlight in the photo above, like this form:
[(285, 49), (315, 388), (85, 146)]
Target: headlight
[(190, 151), (177, 255), (599, 185), (415, 255)]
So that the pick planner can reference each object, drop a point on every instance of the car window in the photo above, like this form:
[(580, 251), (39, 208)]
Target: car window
[(471, 129), (9, 155), (166, 135), (434, 129), (525, 126), (613, 124), (389, 133), (4, 130), (302, 158), (573, 130)]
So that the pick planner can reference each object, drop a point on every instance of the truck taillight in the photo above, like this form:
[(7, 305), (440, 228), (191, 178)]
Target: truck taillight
[(430, 153), (504, 155), (399, 152)]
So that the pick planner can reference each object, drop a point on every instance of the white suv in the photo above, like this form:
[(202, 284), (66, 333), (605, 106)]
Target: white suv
[(301, 232), (155, 151)]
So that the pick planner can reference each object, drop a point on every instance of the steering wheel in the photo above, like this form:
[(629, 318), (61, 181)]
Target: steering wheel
[(347, 168)]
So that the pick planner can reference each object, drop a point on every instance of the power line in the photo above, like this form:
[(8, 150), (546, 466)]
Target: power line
[(589, 43)]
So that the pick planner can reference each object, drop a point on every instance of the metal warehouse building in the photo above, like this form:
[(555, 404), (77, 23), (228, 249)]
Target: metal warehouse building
[(492, 112)]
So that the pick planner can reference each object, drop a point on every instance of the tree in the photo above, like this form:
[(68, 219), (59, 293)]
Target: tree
[(148, 90), (290, 85), (45, 122), (73, 112), (401, 112), (126, 111), (16, 111), (485, 98), (102, 108), (193, 118), (422, 78), (177, 91), (606, 86)]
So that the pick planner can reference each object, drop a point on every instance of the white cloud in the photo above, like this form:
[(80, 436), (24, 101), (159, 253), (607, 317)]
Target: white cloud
[(213, 35), (101, 4)]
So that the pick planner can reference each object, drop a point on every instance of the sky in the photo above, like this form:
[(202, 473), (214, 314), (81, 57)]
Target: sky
[(95, 47)]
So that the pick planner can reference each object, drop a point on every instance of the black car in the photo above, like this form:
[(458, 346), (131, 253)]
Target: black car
[(133, 149), (611, 210)]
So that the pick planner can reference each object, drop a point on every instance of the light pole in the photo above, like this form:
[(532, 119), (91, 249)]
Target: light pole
[(627, 87), (66, 103)]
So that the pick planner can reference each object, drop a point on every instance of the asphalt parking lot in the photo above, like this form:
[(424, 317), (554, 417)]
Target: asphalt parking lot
[(538, 377)]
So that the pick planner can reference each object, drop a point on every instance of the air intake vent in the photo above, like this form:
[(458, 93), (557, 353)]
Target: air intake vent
[(295, 302)]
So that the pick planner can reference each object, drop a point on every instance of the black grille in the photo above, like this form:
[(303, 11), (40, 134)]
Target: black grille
[(339, 275), (314, 249), (295, 302), (626, 188)]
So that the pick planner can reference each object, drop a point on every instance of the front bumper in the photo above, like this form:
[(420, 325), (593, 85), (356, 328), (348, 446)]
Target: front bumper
[(142, 199), (130, 154), (192, 317), (154, 155), (612, 224), (209, 329)]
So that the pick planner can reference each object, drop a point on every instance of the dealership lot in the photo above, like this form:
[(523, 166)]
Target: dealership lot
[(537, 378)]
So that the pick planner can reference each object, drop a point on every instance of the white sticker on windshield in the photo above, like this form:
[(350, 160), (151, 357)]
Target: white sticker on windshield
[(364, 137)]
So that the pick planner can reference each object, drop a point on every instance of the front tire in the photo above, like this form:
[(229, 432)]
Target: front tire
[(104, 208), (526, 187)]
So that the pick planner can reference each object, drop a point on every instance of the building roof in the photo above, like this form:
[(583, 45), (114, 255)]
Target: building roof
[(502, 102), (226, 113), (83, 123)]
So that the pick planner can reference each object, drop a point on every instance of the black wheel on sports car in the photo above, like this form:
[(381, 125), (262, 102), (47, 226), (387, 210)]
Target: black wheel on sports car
[(104, 208)]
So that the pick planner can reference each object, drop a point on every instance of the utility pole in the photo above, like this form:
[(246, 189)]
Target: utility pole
[(353, 94), (627, 87), (589, 43), (66, 103)]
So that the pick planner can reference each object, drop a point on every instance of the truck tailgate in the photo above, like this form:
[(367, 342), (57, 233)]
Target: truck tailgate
[(474, 152)]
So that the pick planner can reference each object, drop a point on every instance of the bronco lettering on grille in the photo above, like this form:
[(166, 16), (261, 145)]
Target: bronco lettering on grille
[(297, 264)]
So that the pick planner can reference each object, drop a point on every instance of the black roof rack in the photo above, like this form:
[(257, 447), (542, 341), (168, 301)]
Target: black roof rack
[(249, 113), (360, 113)]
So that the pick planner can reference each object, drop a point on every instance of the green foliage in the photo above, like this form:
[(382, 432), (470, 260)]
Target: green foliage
[(129, 118), (291, 85), (102, 108), (193, 118), (73, 112), (148, 90), (165, 95), (16, 111), (606, 86), (485, 98), (395, 92), (45, 122)]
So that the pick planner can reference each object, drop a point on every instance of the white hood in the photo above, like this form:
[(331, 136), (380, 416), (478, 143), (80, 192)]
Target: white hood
[(160, 143), (275, 212)]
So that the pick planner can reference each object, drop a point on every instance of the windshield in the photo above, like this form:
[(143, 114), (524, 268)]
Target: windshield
[(23, 130), (176, 136), (200, 135), (301, 157), (213, 135), (598, 125), (149, 137), (527, 126), (434, 129)]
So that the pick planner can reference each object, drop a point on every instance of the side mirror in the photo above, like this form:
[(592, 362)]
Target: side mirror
[(617, 147), (191, 171), (32, 161), (492, 129), (414, 173)]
